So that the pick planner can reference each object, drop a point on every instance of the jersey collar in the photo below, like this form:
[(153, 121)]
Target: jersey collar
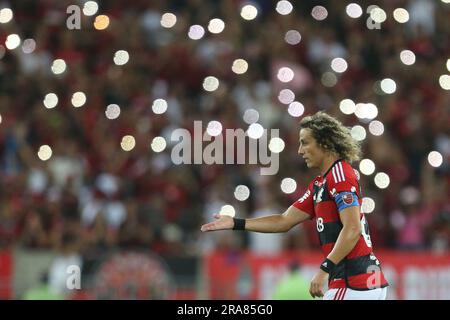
[(325, 174)]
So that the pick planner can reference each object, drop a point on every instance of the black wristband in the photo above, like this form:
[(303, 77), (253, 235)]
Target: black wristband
[(239, 224), (327, 266)]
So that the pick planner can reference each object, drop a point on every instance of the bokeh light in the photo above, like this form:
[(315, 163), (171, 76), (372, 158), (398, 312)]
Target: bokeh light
[(435, 159), (319, 13), (293, 37), (12, 41), (366, 111), (214, 128), (6, 15), (368, 205), (286, 96), (45, 152), (216, 26), (158, 144), (159, 106), (296, 109), (196, 32), (210, 83), (276, 145), (382, 180), (401, 15), (285, 74), (28, 46), (255, 131), (329, 79), (339, 65), (78, 99), (90, 8), (388, 86), (358, 133), (354, 10), (101, 22), (121, 57), (367, 167), (50, 100), (58, 66), (444, 81), (288, 185), (241, 192), (239, 66), (347, 106), (407, 57), (249, 12), (378, 15), (112, 111), (376, 128), (168, 20), (227, 210), (128, 143), (251, 116), (284, 7)]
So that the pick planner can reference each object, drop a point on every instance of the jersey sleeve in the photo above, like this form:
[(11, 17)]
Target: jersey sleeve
[(305, 203), (343, 182)]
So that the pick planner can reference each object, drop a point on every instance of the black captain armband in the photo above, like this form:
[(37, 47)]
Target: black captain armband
[(239, 224), (327, 266)]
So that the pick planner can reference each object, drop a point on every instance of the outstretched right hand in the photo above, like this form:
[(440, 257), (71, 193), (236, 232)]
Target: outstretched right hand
[(223, 222)]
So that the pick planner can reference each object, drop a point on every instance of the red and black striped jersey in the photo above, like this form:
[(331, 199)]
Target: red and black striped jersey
[(360, 269)]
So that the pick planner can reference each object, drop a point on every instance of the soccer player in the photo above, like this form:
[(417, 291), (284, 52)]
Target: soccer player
[(334, 199)]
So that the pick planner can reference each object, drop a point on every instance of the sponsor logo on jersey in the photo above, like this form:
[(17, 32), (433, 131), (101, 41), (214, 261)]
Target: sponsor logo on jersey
[(305, 196)]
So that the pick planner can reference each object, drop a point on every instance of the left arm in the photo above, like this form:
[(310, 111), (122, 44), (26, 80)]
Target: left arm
[(346, 241), (349, 235)]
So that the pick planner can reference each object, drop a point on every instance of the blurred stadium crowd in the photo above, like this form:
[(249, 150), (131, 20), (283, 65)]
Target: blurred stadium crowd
[(91, 195)]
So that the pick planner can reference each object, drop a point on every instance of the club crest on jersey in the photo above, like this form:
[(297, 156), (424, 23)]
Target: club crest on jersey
[(348, 198)]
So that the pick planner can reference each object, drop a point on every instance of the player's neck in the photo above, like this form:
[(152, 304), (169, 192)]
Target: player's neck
[(327, 163)]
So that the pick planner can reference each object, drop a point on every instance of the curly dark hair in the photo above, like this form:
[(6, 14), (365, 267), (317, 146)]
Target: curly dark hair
[(332, 135)]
